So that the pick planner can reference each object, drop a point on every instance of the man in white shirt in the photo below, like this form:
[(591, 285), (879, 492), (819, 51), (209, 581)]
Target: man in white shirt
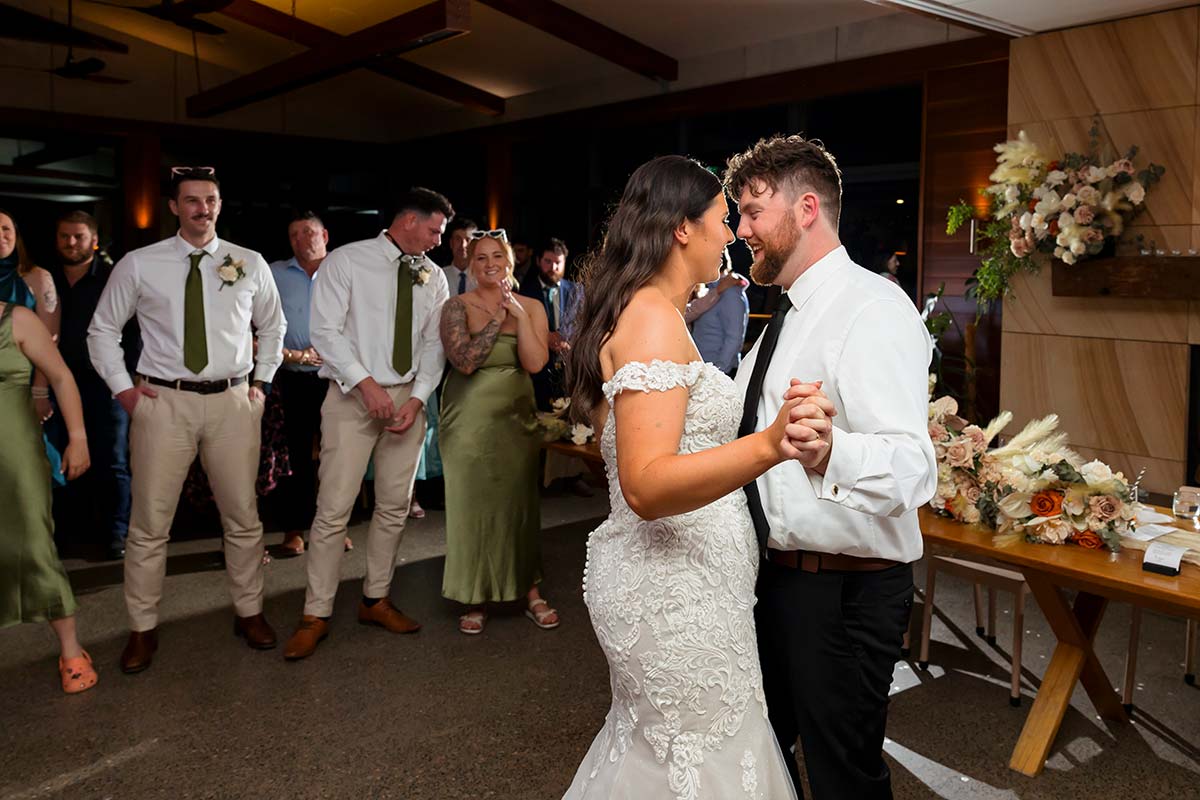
[(376, 308), (458, 236), (838, 528), (196, 298)]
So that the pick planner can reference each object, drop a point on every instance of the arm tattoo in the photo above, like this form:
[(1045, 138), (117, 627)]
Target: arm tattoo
[(50, 298), (465, 350)]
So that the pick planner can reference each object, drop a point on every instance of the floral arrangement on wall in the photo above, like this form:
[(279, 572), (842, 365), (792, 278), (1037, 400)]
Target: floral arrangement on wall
[(1068, 208)]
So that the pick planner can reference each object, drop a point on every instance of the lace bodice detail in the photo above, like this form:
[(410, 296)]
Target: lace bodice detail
[(672, 601)]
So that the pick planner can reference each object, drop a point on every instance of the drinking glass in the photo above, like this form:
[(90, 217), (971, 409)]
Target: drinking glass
[(1186, 504)]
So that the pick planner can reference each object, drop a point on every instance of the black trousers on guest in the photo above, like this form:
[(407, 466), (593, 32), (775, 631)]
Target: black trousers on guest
[(301, 394), (829, 642)]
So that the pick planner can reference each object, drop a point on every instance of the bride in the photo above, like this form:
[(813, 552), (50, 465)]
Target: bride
[(669, 582)]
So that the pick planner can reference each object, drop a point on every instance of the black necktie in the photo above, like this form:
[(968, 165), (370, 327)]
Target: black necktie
[(750, 411), (462, 282)]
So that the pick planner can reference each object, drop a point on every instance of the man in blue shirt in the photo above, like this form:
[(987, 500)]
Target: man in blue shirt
[(301, 390), (720, 331)]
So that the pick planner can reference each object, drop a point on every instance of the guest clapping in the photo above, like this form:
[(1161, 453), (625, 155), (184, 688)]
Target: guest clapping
[(494, 339)]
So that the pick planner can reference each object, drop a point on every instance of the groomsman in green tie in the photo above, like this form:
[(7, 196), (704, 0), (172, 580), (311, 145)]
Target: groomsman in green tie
[(376, 308), (198, 389)]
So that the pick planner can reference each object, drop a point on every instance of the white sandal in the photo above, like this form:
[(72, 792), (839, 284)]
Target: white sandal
[(539, 617), (478, 616)]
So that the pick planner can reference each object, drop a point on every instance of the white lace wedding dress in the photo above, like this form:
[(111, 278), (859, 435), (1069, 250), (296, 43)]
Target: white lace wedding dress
[(672, 604)]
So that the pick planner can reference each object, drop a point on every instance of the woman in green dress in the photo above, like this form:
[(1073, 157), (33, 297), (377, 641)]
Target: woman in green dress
[(33, 583), (494, 340)]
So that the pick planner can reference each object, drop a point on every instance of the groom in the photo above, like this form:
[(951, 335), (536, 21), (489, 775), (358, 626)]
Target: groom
[(837, 527)]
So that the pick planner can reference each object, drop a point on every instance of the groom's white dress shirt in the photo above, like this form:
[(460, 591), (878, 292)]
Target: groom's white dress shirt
[(151, 281), (862, 336), (353, 318)]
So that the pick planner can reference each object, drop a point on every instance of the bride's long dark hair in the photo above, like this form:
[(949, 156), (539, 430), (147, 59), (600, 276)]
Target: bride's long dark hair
[(659, 196)]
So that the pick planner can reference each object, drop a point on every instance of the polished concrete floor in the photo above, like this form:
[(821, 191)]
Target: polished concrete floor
[(508, 714)]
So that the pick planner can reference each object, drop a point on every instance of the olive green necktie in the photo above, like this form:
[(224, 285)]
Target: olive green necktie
[(195, 344), (402, 337)]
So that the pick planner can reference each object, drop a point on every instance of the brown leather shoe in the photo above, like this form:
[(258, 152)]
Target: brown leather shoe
[(139, 651), (386, 615), (256, 630), (306, 638)]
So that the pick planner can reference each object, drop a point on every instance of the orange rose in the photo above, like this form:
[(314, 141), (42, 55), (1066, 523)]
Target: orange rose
[(1089, 539), (1046, 504)]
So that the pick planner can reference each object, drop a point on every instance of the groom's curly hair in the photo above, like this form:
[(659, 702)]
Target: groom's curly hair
[(791, 163)]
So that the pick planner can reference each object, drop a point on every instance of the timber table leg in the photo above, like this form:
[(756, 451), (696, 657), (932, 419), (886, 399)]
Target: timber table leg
[(1073, 661)]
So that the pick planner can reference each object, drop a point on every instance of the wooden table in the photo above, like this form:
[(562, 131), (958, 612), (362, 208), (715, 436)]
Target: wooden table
[(589, 453), (1099, 577)]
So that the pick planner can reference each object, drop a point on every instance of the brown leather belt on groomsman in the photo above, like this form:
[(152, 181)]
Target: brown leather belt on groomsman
[(809, 561), (199, 387)]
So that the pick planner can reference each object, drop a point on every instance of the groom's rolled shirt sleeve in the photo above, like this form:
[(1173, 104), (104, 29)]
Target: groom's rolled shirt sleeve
[(884, 465)]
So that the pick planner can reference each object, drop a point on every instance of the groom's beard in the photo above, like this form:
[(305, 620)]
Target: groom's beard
[(776, 251)]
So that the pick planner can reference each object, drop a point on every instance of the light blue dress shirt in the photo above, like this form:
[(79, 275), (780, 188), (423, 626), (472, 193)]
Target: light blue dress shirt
[(295, 290), (720, 332)]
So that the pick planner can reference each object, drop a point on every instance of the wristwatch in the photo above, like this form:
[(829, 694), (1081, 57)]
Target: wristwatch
[(262, 386)]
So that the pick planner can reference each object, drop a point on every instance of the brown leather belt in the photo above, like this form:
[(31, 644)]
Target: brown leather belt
[(809, 561), (199, 387)]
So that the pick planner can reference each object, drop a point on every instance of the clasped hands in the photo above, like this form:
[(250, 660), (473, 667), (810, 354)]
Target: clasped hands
[(804, 425), (380, 406)]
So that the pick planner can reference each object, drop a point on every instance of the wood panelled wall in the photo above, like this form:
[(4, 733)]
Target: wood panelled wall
[(964, 118), (1115, 370)]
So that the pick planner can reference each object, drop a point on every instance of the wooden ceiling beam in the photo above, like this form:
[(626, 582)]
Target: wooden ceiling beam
[(439, 20), (587, 34), (306, 33)]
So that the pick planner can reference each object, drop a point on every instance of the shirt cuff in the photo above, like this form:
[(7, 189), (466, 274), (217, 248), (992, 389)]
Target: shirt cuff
[(422, 388), (265, 372), (352, 376), (843, 469), (119, 383)]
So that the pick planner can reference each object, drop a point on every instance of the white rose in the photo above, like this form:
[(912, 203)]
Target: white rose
[(1095, 174), (1096, 473), (1055, 178), (1078, 247), (1068, 257), (580, 433), (1088, 195), (227, 273), (1026, 221), (1135, 192), (1069, 200), (1016, 505), (1065, 221)]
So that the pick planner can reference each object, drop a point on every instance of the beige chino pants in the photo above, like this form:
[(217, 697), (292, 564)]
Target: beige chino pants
[(349, 439), (165, 434)]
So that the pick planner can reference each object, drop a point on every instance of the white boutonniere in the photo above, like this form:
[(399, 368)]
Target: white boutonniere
[(231, 271), (419, 267)]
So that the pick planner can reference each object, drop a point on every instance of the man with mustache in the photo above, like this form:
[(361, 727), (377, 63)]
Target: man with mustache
[(197, 299), (100, 498), (838, 530)]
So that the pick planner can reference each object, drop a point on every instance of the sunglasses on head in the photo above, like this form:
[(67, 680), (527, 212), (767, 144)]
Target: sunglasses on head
[(498, 233), (192, 171)]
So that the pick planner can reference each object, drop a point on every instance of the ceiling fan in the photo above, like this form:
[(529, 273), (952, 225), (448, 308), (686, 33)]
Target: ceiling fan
[(180, 12), (86, 69)]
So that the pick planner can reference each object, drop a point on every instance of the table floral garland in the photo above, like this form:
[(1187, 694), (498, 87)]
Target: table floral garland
[(1033, 488)]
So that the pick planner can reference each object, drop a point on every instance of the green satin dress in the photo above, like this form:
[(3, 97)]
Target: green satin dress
[(33, 584), (489, 445)]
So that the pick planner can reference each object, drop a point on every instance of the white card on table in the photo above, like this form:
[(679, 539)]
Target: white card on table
[(1148, 533), (1163, 557)]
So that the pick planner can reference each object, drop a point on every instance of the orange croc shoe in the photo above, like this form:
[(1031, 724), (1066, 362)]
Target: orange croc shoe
[(77, 673)]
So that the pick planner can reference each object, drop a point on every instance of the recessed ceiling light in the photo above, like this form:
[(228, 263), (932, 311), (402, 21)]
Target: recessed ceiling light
[(899, 201)]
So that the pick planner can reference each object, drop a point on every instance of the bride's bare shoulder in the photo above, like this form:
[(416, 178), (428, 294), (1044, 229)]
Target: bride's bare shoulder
[(649, 328)]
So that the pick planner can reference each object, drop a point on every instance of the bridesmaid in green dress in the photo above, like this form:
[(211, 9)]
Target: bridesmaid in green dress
[(33, 583), (494, 340)]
